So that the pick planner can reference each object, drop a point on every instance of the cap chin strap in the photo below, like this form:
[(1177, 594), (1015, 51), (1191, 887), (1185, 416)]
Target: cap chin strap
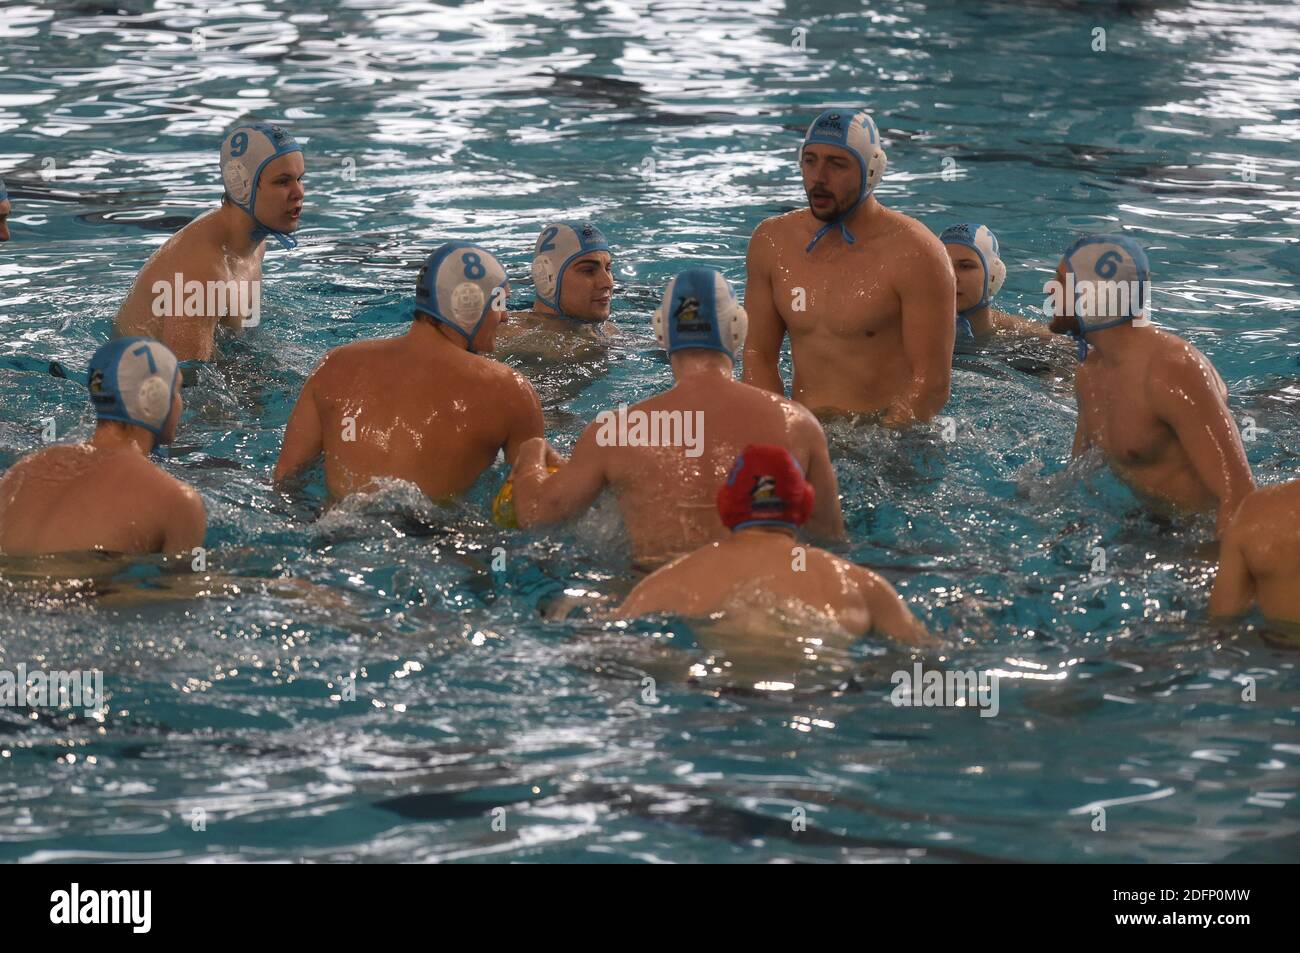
[(260, 231), (840, 219), (963, 321), (287, 242), (1080, 336)]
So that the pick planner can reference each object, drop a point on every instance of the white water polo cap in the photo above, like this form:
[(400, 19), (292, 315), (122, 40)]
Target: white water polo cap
[(458, 285), (699, 310), (245, 152), (559, 245), (981, 240), (134, 381), (857, 133)]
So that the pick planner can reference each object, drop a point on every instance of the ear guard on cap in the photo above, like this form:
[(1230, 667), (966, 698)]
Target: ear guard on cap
[(458, 285), (981, 240), (856, 133), (877, 163), (699, 310), (559, 245), (544, 277), (133, 381)]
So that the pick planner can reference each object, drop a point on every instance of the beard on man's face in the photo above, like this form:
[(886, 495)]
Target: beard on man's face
[(829, 208)]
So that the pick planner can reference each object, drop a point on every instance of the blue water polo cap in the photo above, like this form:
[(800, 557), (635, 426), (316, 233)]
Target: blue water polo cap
[(559, 245), (699, 310), (855, 131), (245, 152), (457, 286), (134, 381), (1111, 284)]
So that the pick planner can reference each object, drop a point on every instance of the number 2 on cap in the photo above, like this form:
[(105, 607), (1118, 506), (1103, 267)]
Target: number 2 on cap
[(548, 240)]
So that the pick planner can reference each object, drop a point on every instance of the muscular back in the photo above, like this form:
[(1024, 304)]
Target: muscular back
[(77, 497), (669, 499), (758, 572), (386, 410)]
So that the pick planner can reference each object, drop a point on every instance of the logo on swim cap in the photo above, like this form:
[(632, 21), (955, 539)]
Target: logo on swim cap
[(763, 496), (699, 310), (467, 302), (687, 316), (766, 486)]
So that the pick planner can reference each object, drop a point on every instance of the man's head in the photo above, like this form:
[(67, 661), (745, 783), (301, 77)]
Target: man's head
[(766, 487), (137, 381), (572, 271), (842, 161), (976, 264), (1101, 282), (5, 208), (700, 311), (463, 287), (262, 169)]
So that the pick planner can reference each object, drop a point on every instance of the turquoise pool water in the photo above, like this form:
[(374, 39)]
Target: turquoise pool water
[(674, 125)]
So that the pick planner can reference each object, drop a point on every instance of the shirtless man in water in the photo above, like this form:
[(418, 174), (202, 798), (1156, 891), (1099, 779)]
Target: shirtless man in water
[(764, 500), (666, 456), (106, 494), (1152, 403), (425, 406), (1259, 559), (210, 272), (574, 282), (865, 293)]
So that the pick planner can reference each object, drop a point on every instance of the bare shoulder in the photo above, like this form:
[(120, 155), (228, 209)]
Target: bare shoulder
[(184, 252), (778, 230), (513, 383), (1175, 361), (1269, 506), (345, 358), (34, 463), (911, 236)]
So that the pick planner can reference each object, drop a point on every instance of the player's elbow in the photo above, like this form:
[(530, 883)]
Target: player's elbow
[(932, 392)]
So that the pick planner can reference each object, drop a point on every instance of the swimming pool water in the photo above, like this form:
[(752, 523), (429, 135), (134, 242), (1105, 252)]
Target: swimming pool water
[(675, 127)]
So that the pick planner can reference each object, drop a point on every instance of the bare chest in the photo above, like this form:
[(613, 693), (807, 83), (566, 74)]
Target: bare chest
[(844, 294)]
